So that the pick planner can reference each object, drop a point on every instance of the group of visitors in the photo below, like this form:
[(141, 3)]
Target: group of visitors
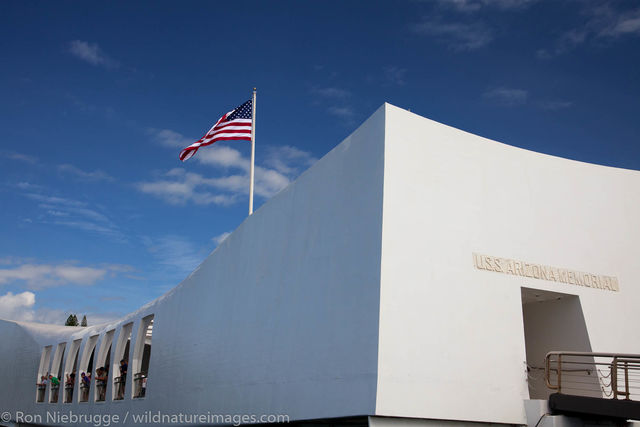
[(102, 375), (70, 379), (44, 379), (121, 381), (69, 384), (42, 385), (101, 382)]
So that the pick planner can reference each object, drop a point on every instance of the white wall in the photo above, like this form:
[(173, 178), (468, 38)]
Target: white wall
[(282, 318), (451, 336)]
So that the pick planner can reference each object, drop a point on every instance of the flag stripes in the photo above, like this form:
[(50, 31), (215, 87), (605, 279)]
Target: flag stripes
[(236, 125)]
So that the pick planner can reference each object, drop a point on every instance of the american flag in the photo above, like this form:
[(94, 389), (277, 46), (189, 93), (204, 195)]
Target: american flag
[(235, 125)]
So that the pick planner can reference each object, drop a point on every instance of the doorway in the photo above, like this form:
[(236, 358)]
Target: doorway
[(552, 322)]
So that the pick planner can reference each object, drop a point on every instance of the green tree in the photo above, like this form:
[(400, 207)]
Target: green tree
[(72, 320), (84, 321)]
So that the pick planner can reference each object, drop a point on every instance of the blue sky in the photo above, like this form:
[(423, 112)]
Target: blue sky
[(97, 98)]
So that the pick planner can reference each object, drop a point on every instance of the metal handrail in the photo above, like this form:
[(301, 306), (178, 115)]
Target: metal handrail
[(587, 353), (119, 383), (138, 380), (68, 395), (624, 370)]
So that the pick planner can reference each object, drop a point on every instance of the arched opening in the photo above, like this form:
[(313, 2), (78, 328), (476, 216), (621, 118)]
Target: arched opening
[(70, 371), (43, 374), (121, 362), (102, 366), (86, 367), (141, 357), (56, 373)]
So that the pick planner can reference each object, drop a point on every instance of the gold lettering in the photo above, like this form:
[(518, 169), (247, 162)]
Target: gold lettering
[(562, 274), (614, 284), (536, 271), (544, 272), (498, 262), (596, 281), (476, 262), (584, 280), (510, 267), (518, 268)]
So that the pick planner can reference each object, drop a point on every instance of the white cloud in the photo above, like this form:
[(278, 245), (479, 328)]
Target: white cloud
[(28, 186), (462, 5), (220, 237), (476, 5), (21, 307), (12, 155), (223, 156), (456, 35), (215, 155), (91, 53), (178, 187), (184, 188), (269, 182), (335, 100), (13, 260), (507, 97), (55, 200), (17, 306), (57, 213), (604, 22), (331, 92), (345, 113), (176, 252), (37, 276), (395, 75), (170, 138), (95, 175), (75, 214), (621, 24), (119, 268), (289, 160), (92, 317)]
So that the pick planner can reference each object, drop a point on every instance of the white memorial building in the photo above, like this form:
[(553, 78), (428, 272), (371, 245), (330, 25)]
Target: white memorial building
[(417, 275)]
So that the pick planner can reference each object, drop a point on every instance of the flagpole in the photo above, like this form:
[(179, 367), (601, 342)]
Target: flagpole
[(253, 150)]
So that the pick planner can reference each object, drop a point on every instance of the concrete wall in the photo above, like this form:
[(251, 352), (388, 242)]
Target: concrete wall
[(282, 318), (20, 356), (451, 340)]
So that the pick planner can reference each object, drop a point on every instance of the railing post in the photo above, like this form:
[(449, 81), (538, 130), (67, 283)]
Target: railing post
[(547, 371), (614, 377), (626, 380), (559, 373)]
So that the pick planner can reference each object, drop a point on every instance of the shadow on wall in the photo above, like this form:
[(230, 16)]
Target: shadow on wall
[(553, 322)]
